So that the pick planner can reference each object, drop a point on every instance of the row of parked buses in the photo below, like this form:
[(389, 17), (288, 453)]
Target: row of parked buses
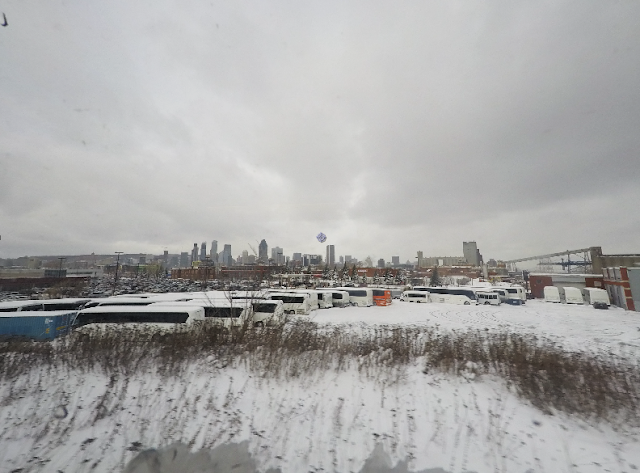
[(483, 295), (226, 307)]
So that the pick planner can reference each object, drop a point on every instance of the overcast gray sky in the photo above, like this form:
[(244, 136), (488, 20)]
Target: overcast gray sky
[(392, 127)]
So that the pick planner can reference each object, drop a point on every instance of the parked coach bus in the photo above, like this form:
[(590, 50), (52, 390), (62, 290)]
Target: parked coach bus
[(415, 296), (452, 295), (338, 298), (154, 314), (293, 303), (381, 296), (360, 296)]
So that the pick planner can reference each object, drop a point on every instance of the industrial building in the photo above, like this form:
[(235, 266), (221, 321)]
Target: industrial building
[(623, 285), (538, 281)]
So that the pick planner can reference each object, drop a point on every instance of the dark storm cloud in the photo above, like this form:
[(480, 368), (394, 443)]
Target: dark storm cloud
[(138, 126)]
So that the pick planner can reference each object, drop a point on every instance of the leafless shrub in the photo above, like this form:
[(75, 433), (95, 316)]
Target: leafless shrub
[(540, 371)]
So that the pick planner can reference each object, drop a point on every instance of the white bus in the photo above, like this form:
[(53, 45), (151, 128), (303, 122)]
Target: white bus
[(293, 303), (502, 293), (119, 301), (325, 299), (267, 312), (360, 296), (488, 298), (338, 298), (225, 312), (415, 296), (152, 314), (452, 295), (515, 292), (21, 306), (314, 302)]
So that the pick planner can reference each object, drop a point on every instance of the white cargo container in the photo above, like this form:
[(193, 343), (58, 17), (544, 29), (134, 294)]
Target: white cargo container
[(594, 294), (551, 294), (571, 295)]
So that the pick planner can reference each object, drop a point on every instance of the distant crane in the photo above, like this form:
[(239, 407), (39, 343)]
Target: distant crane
[(253, 249)]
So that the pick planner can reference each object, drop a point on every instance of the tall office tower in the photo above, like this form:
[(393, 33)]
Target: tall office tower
[(245, 257), (347, 259), (277, 255), (194, 253), (381, 263), (262, 251), (214, 251), (342, 260), (227, 259), (421, 261), (203, 251), (331, 255), (471, 253), (297, 257), (395, 261), (184, 259)]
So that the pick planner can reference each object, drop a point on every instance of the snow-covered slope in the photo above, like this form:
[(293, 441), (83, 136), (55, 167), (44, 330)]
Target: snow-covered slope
[(72, 421)]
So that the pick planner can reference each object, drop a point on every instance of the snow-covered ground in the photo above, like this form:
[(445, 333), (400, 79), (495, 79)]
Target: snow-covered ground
[(65, 420), (575, 327)]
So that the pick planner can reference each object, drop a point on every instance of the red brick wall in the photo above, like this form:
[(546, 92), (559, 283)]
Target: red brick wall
[(537, 284)]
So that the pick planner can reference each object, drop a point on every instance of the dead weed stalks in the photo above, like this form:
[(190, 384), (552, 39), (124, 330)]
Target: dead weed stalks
[(540, 371)]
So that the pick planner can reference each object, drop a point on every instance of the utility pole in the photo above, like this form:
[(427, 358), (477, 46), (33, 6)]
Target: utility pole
[(115, 279)]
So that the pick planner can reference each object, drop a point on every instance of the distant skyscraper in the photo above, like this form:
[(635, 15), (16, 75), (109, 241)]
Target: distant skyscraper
[(381, 263), (262, 251), (471, 253), (214, 251), (347, 259), (245, 257), (277, 255), (395, 260), (184, 259), (203, 251), (226, 256), (341, 259), (297, 257), (331, 255), (194, 253)]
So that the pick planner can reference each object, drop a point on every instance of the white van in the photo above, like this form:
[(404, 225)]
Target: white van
[(551, 294), (488, 298), (415, 296), (267, 312), (594, 294), (293, 302), (360, 296), (571, 295)]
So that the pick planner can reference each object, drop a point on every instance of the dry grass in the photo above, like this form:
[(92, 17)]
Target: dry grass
[(551, 378)]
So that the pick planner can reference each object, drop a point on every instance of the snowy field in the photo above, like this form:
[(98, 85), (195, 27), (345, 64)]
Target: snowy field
[(575, 327), (63, 420)]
